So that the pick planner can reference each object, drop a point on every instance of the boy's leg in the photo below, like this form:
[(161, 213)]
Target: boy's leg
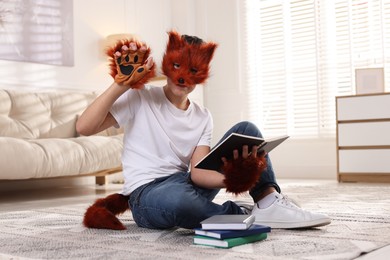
[(175, 202), (274, 209)]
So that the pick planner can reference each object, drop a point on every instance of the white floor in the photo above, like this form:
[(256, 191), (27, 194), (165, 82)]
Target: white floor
[(25, 195)]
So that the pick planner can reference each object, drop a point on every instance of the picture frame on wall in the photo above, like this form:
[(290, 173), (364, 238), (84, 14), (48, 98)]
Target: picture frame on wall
[(369, 80)]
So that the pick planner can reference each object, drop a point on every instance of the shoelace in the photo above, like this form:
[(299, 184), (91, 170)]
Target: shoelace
[(287, 201)]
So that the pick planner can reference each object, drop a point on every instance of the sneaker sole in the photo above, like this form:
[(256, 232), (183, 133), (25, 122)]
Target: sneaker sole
[(295, 225)]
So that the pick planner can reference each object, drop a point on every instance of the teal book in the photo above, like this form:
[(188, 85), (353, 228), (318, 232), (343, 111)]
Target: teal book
[(228, 242)]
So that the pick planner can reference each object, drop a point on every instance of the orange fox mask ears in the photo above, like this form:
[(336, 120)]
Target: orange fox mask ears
[(186, 61)]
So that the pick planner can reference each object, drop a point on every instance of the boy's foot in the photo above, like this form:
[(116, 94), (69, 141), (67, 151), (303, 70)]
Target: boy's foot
[(283, 213)]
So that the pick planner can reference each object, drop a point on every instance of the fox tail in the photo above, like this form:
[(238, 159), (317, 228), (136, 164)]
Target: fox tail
[(102, 214)]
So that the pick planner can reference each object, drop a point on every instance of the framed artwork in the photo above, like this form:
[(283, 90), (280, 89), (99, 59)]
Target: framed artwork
[(370, 80), (38, 31)]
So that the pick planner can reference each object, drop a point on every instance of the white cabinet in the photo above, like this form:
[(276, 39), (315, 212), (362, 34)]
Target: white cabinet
[(363, 137)]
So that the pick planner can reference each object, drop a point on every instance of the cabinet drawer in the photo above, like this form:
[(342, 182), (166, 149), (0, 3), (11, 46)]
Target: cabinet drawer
[(364, 134), (363, 107), (364, 161)]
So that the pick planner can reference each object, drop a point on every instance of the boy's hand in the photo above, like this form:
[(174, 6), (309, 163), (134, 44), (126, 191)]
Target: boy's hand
[(131, 64), (245, 154)]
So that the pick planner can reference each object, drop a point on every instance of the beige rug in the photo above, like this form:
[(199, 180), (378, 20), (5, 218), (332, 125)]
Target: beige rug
[(360, 214)]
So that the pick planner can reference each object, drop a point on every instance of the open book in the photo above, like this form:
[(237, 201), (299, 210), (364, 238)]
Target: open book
[(213, 161)]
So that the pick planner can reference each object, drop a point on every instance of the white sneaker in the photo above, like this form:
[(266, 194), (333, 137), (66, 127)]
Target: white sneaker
[(283, 213)]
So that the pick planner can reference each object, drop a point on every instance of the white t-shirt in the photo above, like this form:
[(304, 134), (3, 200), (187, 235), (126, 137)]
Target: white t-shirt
[(159, 138)]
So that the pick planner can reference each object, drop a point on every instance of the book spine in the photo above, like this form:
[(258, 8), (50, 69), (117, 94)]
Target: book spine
[(224, 226)]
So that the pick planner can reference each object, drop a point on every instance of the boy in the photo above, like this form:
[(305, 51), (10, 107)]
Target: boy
[(166, 134)]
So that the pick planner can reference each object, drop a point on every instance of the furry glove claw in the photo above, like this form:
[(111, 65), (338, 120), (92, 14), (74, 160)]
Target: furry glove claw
[(242, 174), (130, 64)]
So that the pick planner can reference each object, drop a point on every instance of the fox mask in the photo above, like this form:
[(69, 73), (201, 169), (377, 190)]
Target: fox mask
[(186, 61)]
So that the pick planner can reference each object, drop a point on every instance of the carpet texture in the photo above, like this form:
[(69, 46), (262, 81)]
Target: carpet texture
[(360, 223)]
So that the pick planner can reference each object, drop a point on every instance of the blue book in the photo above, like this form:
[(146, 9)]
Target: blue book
[(223, 234), (228, 242)]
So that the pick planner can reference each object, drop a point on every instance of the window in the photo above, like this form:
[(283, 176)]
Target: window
[(303, 53), (37, 31)]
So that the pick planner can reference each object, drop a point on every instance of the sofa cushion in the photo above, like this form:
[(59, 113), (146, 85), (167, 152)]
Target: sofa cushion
[(54, 157), (41, 115)]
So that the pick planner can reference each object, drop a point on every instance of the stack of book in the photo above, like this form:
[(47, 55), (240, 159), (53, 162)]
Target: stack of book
[(227, 231)]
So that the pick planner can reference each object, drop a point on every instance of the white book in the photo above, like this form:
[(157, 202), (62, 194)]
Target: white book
[(228, 222)]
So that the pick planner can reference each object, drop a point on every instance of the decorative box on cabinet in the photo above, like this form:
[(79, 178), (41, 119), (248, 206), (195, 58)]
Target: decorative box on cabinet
[(363, 137)]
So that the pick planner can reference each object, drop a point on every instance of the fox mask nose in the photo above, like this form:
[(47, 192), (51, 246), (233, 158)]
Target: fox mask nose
[(181, 80)]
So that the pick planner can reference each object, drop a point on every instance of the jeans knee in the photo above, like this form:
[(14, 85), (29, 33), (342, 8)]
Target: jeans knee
[(248, 128)]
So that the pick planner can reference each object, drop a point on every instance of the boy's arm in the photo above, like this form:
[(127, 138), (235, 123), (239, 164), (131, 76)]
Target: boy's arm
[(205, 178), (96, 117), (131, 67)]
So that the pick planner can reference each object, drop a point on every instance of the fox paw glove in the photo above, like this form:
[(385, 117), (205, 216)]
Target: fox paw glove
[(127, 63), (242, 174)]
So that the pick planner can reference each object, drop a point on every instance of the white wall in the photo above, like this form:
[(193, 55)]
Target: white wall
[(224, 94)]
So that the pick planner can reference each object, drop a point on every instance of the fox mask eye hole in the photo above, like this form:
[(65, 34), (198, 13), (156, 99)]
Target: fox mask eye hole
[(176, 65), (194, 70)]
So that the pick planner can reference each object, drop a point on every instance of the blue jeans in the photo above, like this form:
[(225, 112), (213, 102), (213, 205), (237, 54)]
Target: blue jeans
[(174, 201)]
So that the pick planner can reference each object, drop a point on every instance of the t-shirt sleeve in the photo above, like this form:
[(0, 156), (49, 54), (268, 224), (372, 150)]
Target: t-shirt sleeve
[(125, 107), (206, 137)]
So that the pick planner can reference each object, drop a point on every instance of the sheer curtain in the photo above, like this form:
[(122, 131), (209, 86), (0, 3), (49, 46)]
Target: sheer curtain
[(300, 54)]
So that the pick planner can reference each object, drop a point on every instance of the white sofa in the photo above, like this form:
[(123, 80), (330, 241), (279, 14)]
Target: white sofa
[(38, 137)]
